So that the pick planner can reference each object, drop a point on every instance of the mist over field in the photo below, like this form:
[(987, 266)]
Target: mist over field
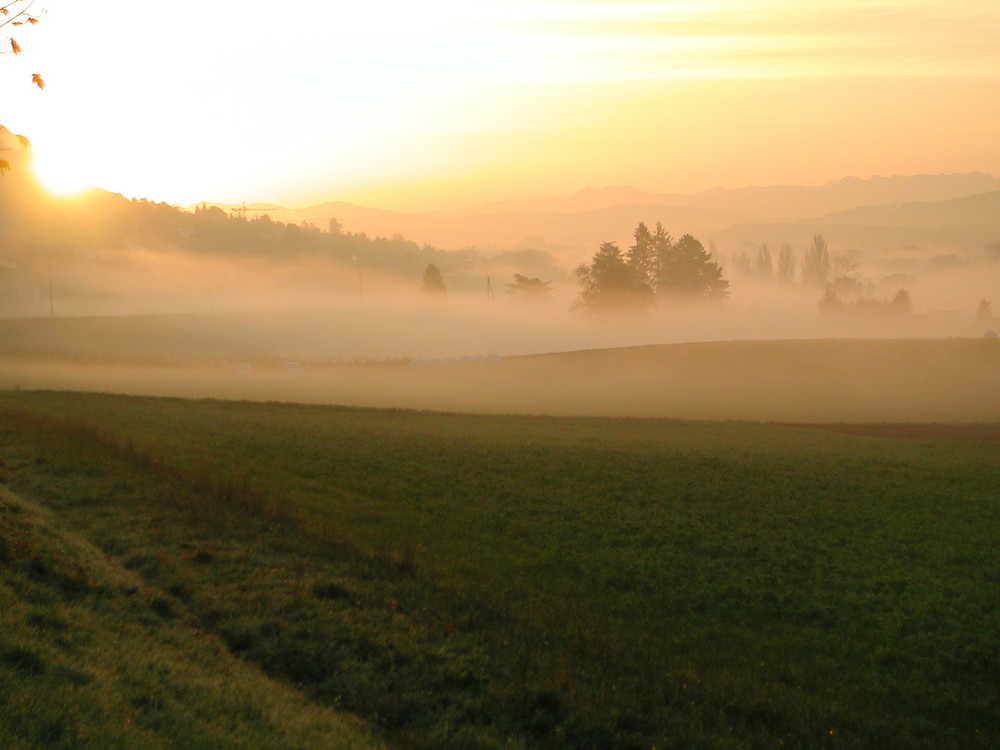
[(134, 297), (575, 375), (795, 381)]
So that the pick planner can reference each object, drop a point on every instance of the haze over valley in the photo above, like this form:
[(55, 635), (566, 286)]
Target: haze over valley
[(564, 375)]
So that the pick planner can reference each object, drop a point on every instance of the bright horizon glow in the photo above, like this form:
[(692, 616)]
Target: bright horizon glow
[(60, 177), (450, 102)]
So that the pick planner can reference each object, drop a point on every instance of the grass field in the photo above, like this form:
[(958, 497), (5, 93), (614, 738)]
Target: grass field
[(471, 581)]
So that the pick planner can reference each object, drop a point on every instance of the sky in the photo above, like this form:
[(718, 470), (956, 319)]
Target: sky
[(449, 103)]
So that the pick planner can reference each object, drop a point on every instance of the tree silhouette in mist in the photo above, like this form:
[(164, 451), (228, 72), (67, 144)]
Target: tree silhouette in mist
[(902, 303), (433, 282), (816, 265), (764, 267), (655, 266), (641, 257), (686, 270), (984, 311), (529, 288), (610, 284), (786, 264)]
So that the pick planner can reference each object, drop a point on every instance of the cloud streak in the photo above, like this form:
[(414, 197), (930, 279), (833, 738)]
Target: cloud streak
[(751, 40)]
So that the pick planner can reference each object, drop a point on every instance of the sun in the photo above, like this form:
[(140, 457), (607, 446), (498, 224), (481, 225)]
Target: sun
[(60, 177)]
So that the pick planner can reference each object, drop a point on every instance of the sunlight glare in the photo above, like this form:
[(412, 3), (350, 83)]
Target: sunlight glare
[(60, 176)]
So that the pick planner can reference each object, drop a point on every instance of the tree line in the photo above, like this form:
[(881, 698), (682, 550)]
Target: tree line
[(817, 265), (655, 267), (39, 226)]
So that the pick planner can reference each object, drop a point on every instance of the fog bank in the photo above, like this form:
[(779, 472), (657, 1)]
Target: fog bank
[(953, 380)]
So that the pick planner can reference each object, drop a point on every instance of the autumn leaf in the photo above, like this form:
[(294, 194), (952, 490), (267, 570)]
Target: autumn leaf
[(3, 10), (37, 80), (15, 46), (32, 21), (4, 164), (24, 141)]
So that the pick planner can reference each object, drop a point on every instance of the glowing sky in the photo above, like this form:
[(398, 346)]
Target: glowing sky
[(448, 102)]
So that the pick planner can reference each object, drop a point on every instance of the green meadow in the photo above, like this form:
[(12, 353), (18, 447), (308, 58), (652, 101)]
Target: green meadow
[(496, 581)]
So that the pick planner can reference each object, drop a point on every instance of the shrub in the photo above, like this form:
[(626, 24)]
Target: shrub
[(24, 660), (162, 608), (330, 590)]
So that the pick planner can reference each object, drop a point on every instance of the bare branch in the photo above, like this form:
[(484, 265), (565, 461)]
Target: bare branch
[(25, 11)]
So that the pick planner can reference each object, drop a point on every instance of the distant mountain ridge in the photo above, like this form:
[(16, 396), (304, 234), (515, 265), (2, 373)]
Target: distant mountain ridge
[(972, 221), (785, 202), (588, 217), (983, 208)]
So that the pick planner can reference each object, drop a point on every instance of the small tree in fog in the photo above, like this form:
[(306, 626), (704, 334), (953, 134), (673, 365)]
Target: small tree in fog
[(816, 264), (764, 268), (613, 281), (642, 256), (742, 263), (663, 246), (844, 266), (786, 264), (687, 270), (830, 302), (433, 283), (610, 284), (529, 288), (984, 311), (901, 304)]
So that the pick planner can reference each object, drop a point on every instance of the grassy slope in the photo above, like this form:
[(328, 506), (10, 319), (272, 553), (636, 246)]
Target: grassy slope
[(92, 656), (641, 582)]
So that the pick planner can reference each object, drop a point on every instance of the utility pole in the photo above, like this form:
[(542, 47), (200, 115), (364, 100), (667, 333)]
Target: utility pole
[(489, 289)]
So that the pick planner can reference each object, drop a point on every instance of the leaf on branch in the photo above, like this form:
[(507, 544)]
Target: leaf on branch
[(18, 23), (24, 141), (15, 46), (32, 21), (4, 164), (3, 10), (37, 80)]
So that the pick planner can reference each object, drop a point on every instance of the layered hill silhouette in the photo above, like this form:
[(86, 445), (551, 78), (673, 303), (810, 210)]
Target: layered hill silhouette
[(874, 214), (785, 202), (961, 208), (983, 208)]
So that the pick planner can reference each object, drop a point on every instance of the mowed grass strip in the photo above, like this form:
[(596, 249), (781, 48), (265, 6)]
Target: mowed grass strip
[(715, 584)]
